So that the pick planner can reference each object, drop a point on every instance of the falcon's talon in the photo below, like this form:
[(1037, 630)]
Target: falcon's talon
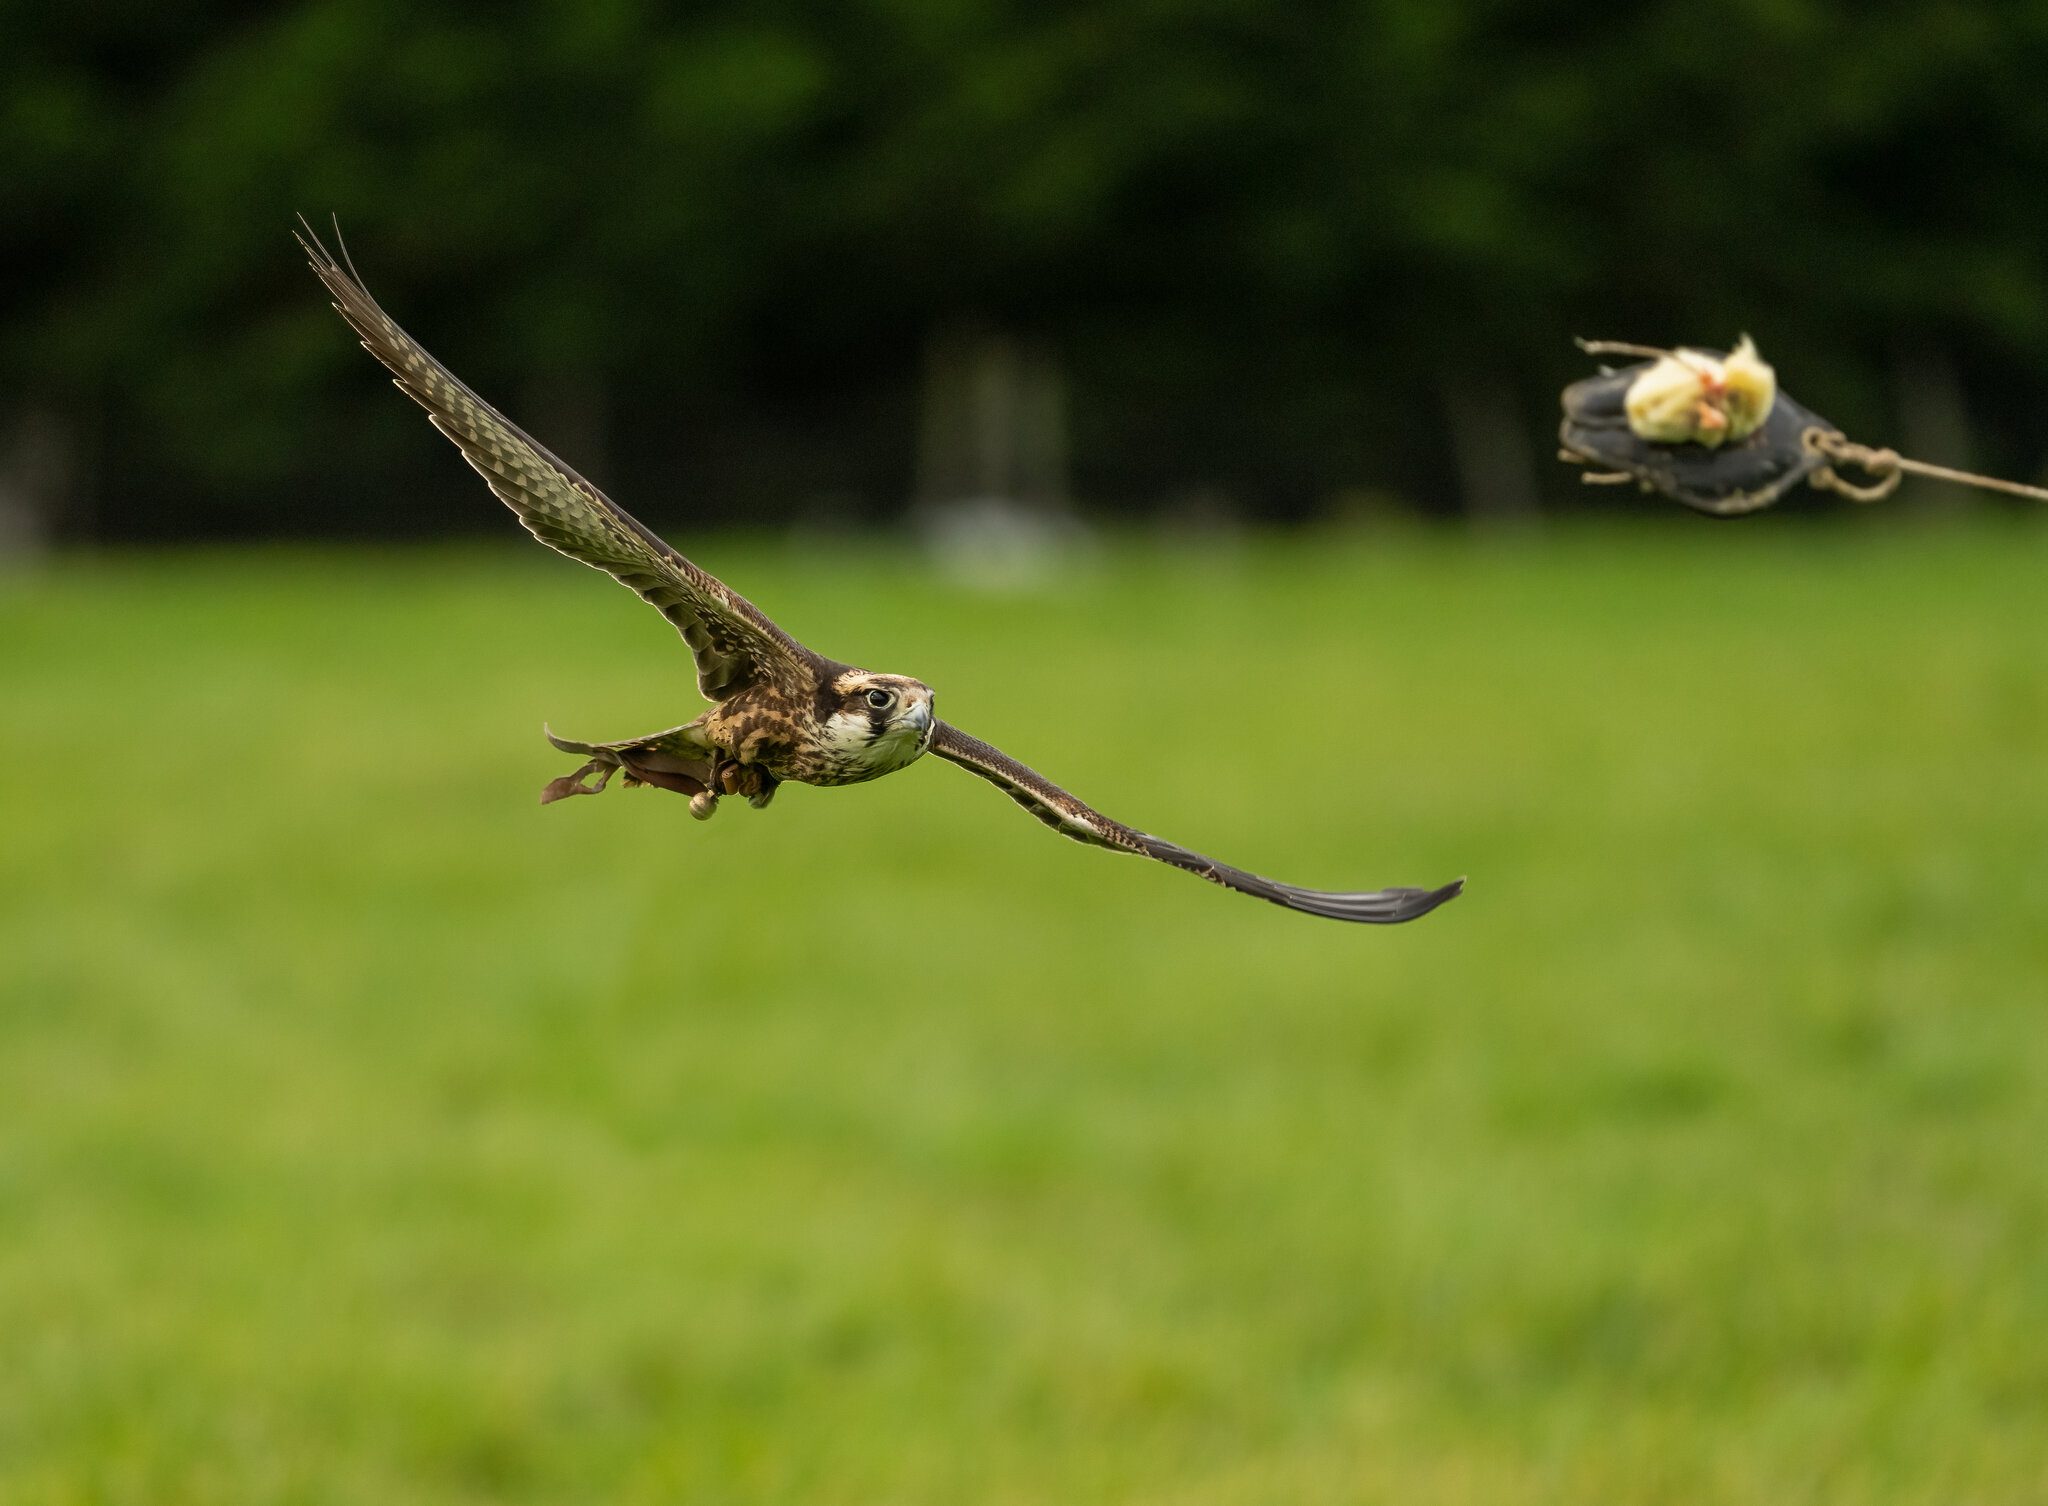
[(779, 711), (735, 778), (748, 779)]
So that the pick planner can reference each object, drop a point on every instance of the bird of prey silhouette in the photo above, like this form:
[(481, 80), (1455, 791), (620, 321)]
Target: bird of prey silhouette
[(778, 711)]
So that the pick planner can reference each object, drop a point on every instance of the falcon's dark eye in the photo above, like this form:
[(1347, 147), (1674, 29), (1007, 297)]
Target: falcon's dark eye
[(881, 700)]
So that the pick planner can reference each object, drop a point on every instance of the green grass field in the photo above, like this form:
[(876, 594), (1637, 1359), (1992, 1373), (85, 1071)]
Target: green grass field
[(370, 1134)]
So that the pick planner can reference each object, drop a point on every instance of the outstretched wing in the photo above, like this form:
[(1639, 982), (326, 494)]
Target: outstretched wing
[(735, 643), (1069, 817)]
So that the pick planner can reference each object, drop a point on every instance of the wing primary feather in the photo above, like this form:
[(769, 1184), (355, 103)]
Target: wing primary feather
[(341, 245), (1073, 818), (735, 643)]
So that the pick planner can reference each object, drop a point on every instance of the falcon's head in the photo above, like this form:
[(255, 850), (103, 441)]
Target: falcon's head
[(881, 722)]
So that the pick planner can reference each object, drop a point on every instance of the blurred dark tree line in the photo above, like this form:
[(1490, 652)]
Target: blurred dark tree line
[(741, 261)]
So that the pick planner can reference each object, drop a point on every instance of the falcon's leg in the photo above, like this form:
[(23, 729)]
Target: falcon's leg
[(723, 778), (750, 780)]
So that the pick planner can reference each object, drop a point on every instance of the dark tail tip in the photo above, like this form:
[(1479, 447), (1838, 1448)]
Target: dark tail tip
[(1423, 901)]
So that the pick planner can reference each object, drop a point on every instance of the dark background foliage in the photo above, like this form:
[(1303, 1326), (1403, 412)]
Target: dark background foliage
[(1280, 256)]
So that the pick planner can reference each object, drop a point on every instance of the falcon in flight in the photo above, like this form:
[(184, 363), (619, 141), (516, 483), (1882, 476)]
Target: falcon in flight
[(778, 710)]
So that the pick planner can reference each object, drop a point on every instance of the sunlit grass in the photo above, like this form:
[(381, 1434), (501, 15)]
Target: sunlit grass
[(370, 1134)]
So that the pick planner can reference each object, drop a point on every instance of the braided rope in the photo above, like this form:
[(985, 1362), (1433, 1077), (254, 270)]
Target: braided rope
[(1888, 467)]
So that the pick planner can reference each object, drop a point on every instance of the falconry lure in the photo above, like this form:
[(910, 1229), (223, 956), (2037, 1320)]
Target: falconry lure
[(779, 711), (1713, 432)]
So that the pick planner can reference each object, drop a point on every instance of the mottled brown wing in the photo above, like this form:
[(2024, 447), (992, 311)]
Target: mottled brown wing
[(1068, 816), (734, 642)]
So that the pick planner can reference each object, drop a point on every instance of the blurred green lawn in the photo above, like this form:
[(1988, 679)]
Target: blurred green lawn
[(370, 1134)]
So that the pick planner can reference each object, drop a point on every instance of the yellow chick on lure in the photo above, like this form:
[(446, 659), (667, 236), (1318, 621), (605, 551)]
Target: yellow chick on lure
[(1691, 397)]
